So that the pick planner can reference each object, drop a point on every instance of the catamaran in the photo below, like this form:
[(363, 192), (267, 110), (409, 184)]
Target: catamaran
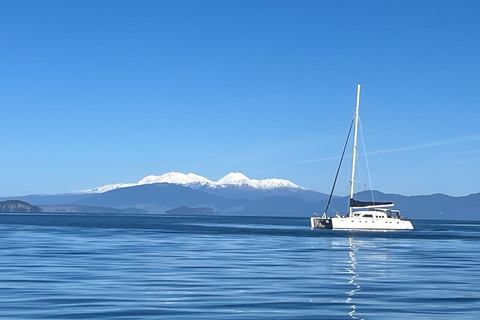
[(366, 215)]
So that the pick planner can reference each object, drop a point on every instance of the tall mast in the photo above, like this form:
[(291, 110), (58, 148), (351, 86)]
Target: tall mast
[(354, 154)]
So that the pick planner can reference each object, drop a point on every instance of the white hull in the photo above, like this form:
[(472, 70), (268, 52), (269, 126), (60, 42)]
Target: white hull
[(351, 223)]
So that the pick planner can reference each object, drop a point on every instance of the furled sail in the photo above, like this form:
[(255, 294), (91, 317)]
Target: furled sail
[(361, 204)]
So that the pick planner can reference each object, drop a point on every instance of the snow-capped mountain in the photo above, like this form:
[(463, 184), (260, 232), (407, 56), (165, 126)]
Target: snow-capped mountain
[(193, 180), (239, 179), (176, 178)]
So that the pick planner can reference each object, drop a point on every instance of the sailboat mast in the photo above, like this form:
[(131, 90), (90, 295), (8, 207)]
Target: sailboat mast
[(354, 154)]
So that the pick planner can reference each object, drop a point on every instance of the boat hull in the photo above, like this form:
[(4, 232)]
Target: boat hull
[(348, 223)]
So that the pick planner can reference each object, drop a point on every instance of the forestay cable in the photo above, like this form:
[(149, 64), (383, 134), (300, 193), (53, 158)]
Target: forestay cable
[(339, 165)]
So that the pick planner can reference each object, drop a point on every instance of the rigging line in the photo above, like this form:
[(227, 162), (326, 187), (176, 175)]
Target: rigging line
[(339, 165), (366, 159)]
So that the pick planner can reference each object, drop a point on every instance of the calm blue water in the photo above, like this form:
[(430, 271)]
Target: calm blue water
[(157, 267)]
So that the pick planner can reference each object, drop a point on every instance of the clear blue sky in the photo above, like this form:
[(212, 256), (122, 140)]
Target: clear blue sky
[(99, 92)]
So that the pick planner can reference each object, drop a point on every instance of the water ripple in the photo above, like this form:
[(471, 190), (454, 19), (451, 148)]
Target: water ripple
[(147, 267)]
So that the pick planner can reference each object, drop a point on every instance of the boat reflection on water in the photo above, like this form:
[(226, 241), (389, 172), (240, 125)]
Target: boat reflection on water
[(362, 269), (351, 269)]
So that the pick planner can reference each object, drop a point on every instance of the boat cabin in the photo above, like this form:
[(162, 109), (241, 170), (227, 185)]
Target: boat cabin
[(376, 213)]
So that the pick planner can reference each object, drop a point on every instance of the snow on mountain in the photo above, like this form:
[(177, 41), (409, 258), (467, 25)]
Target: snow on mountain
[(234, 178), (176, 178), (108, 187), (239, 179), (193, 180), (277, 183)]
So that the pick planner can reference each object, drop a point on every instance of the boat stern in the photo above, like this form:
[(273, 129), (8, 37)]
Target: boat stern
[(320, 223)]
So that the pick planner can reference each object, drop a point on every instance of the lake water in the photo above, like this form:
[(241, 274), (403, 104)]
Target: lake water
[(59, 266)]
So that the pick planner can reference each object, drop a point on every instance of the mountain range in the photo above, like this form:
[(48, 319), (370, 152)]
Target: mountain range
[(195, 181), (236, 194)]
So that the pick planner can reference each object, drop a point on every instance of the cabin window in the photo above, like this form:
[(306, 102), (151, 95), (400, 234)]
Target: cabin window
[(368, 216)]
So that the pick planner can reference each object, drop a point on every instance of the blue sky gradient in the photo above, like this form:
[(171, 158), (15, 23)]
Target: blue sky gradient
[(98, 92)]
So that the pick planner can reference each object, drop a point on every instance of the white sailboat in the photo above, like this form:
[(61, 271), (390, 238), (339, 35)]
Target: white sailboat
[(362, 215)]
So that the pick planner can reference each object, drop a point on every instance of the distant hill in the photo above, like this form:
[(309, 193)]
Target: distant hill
[(17, 206)]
